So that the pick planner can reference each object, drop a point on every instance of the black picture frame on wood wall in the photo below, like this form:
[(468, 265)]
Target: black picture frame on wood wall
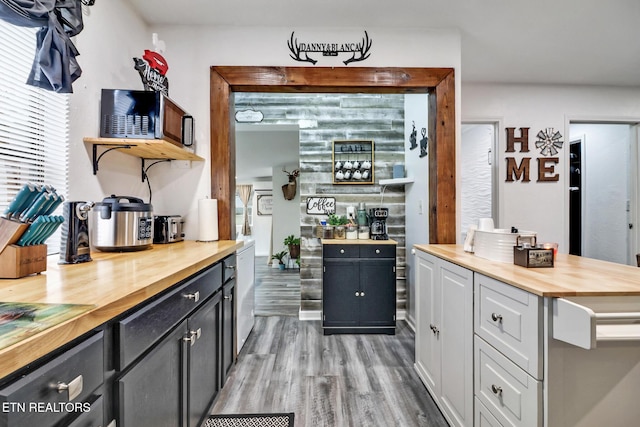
[(353, 161)]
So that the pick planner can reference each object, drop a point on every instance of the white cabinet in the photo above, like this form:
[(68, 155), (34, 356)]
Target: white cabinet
[(245, 291), (444, 335)]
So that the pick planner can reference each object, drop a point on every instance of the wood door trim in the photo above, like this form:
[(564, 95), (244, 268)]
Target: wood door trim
[(438, 82)]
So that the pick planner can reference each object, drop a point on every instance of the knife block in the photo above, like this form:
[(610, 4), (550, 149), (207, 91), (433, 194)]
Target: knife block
[(20, 261)]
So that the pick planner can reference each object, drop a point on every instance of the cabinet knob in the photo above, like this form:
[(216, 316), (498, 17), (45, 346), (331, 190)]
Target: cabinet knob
[(194, 296), (74, 387), (357, 294), (496, 317), (377, 251), (341, 251), (361, 294), (229, 297), (496, 390), (231, 267), (434, 329)]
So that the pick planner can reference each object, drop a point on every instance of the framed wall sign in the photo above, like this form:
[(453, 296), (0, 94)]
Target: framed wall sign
[(321, 205), (265, 204), (353, 161)]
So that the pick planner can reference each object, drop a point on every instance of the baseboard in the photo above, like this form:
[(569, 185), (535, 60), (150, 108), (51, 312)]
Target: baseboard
[(310, 314), (401, 314), (411, 322)]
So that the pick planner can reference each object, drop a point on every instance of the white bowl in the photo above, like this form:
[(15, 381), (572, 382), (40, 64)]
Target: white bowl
[(497, 245)]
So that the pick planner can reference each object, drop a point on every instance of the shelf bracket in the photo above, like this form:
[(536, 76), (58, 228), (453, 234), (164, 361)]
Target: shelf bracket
[(143, 171), (96, 157)]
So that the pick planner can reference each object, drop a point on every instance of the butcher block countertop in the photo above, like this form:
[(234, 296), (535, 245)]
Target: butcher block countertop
[(571, 275), (112, 283)]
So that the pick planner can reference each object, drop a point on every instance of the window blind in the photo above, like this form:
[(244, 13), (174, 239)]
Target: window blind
[(34, 123)]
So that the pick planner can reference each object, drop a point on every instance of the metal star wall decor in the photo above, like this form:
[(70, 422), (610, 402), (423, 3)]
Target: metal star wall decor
[(549, 142)]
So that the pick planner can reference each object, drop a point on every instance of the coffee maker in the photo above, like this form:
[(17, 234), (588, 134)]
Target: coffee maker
[(378, 223), (74, 245)]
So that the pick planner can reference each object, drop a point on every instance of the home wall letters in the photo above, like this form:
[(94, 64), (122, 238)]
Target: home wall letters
[(548, 143)]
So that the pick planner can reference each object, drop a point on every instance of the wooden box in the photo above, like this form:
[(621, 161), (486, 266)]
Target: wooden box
[(532, 257), (21, 261)]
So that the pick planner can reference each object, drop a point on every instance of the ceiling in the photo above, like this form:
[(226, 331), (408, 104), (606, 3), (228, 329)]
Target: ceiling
[(512, 41)]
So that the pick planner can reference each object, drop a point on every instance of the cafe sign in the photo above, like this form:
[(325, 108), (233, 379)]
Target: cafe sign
[(307, 51)]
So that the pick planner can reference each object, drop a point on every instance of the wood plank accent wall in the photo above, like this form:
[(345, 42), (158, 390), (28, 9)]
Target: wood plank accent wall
[(329, 117), (439, 82)]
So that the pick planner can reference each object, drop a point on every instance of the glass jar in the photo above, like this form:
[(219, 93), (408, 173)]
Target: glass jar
[(339, 232), (352, 232), (327, 232), (363, 232)]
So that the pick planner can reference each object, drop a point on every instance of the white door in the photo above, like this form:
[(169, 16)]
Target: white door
[(477, 166), (456, 341), (427, 318)]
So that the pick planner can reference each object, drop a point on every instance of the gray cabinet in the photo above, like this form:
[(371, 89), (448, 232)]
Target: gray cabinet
[(228, 349), (359, 288)]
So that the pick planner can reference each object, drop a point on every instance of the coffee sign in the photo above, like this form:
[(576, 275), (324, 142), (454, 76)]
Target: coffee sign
[(321, 205)]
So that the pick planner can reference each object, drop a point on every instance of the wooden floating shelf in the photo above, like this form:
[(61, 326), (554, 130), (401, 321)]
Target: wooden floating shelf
[(146, 148)]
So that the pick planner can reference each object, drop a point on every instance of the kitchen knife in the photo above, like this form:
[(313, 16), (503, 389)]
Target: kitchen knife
[(36, 208), (32, 231), (32, 197), (56, 220), (57, 202), (21, 200), (45, 223)]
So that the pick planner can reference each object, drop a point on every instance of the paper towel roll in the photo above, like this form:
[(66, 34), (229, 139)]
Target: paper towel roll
[(207, 220)]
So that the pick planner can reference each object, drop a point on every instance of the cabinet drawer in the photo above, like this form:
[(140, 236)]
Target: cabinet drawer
[(229, 267), (81, 368), (139, 331), (512, 396), (341, 251), (483, 417), (93, 417), (509, 319), (377, 251)]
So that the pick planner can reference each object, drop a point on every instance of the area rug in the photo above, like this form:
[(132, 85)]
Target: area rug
[(250, 420)]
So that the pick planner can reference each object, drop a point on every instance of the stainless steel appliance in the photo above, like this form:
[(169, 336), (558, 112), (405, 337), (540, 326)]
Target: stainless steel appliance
[(74, 244), (378, 223), (144, 114), (168, 229), (122, 223)]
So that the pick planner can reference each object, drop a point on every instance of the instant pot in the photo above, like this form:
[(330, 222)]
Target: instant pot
[(122, 223)]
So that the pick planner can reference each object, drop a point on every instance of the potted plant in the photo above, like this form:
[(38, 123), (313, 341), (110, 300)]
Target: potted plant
[(293, 243), (280, 257), (338, 223)]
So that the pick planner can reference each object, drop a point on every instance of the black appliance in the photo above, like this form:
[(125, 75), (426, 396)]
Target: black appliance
[(144, 114), (168, 229), (74, 245), (378, 223)]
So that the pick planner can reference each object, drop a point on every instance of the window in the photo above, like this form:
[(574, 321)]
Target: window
[(34, 123)]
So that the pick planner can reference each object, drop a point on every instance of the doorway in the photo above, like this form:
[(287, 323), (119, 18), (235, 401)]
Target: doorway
[(603, 182), (478, 176)]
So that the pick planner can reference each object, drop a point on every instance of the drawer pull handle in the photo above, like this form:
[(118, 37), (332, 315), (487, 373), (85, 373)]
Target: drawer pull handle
[(194, 296), (496, 317), (341, 251), (377, 251), (496, 390), (231, 267), (229, 297), (74, 388), (193, 336)]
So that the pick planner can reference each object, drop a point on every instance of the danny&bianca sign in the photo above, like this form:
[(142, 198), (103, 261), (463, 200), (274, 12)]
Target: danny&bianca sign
[(301, 50)]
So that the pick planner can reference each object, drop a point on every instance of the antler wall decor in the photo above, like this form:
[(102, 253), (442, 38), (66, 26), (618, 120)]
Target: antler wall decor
[(289, 189)]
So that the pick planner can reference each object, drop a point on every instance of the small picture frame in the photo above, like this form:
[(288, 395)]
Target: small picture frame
[(265, 204)]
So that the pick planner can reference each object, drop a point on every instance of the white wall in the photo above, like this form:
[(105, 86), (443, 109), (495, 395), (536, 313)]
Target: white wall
[(286, 213), (417, 193), (261, 224), (543, 207)]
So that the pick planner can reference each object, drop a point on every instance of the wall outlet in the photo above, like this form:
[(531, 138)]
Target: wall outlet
[(180, 164)]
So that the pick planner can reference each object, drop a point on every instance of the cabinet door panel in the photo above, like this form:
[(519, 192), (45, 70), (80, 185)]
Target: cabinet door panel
[(377, 292), (152, 393), (203, 359), (427, 315), (228, 327), (339, 301), (456, 340)]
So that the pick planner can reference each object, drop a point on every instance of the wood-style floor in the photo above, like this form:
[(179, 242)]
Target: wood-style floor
[(288, 365), (277, 292)]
